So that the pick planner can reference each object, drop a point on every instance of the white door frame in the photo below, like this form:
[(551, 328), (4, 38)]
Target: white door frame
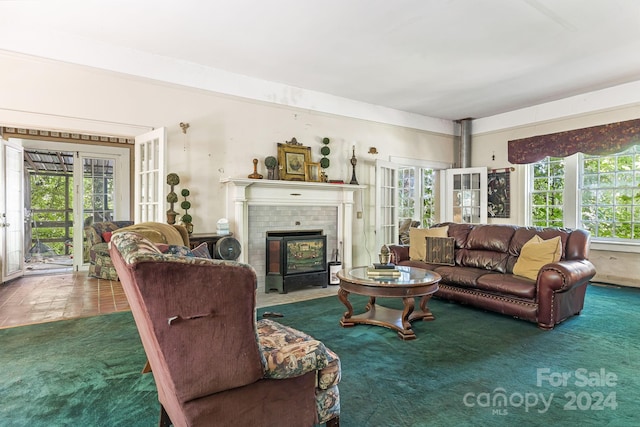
[(121, 176), (150, 171), (12, 248)]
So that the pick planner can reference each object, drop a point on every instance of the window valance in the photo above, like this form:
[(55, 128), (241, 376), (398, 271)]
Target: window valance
[(597, 140)]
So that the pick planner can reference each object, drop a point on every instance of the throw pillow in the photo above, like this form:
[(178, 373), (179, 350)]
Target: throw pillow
[(201, 251), (417, 243), (535, 254), (177, 250), (440, 250), (106, 236)]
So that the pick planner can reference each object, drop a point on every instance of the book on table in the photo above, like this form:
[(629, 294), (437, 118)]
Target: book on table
[(389, 266), (383, 272)]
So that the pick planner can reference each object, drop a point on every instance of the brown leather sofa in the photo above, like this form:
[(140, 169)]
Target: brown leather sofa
[(483, 272)]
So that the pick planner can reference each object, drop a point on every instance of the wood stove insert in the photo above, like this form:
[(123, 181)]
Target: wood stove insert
[(295, 259)]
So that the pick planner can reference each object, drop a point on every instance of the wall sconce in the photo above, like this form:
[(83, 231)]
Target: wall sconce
[(373, 150), (184, 127)]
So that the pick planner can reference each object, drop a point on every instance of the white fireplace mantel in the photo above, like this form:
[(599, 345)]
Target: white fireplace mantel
[(242, 192)]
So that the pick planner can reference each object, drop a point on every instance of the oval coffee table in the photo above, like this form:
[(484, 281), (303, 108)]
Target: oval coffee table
[(413, 282)]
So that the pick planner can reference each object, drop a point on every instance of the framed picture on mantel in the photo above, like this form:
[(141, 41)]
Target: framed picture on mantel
[(291, 161)]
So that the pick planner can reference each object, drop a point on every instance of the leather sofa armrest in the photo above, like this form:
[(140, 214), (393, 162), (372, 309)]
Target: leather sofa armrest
[(564, 275), (399, 253)]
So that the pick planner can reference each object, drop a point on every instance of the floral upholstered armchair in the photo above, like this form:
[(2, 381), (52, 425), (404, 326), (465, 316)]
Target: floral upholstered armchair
[(213, 362), (97, 237)]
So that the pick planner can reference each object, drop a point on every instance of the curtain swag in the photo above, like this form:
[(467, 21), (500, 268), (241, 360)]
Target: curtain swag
[(596, 140)]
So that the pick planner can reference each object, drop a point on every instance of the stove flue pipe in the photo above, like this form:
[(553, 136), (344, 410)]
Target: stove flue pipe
[(462, 146)]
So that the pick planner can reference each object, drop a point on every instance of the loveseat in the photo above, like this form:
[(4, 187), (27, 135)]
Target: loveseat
[(480, 270), (213, 362)]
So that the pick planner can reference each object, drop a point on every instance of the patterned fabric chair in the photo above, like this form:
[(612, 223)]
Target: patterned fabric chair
[(212, 362), (100, 264)]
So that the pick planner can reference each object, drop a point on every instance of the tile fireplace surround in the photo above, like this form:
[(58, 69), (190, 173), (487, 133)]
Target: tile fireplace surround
[(255, 206)]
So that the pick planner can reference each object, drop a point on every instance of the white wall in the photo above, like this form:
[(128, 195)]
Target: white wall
[(225, 132)]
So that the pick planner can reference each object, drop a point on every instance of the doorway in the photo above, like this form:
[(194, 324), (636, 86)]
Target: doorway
[(68, 187), (48, 211)]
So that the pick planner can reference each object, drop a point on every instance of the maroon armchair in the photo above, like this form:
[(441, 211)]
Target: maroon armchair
[(212, 362)]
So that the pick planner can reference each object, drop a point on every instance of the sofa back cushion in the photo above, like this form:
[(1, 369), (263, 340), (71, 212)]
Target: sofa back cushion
[(487, 247)]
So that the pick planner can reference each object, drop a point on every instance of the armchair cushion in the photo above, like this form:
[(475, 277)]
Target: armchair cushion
[(289, 352)]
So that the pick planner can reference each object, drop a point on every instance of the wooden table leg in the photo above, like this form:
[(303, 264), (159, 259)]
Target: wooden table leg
[(344, 298), (424, 314)]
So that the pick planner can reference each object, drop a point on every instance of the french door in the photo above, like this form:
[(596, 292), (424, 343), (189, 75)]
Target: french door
[(150, 172), (386, 202), (465, 195), (96, 178), (11, 210)]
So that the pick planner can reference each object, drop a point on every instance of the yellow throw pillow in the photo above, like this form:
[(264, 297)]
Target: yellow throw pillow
[(535, 254), (417, 241)]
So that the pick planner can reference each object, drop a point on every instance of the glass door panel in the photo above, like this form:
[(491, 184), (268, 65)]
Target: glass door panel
[(96, 193), (466, 199), (12, 211)]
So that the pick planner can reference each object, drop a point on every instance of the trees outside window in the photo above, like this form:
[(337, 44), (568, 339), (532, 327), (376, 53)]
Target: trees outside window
[(415, 191), (606, 195)]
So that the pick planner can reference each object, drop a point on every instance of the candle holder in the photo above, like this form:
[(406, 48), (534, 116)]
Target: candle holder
[(353, 164)]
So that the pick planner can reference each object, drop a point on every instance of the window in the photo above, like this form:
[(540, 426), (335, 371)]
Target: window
[(606, 194), (547, 193), (418, 193), (610, 194)]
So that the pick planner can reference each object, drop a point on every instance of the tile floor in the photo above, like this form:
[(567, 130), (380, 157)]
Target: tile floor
[(51, 297)]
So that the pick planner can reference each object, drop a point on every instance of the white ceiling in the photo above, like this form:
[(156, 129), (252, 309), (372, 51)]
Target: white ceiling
[(447, 59)]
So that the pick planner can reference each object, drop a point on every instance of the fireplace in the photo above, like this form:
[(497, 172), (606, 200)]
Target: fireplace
[(295, 258)]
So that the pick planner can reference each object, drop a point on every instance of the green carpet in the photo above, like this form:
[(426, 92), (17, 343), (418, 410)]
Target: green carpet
[(459, 372)]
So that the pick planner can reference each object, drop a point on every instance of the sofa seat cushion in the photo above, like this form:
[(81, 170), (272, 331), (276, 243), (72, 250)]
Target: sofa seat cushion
[(507, 284), (418, 264), (465, 277)]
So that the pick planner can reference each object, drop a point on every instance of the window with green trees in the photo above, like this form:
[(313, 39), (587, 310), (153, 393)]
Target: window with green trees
[(51, 212), (415, 191), (606, 194), (610, 194), (547, 193)]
